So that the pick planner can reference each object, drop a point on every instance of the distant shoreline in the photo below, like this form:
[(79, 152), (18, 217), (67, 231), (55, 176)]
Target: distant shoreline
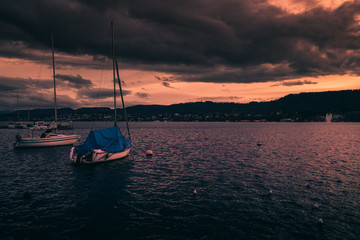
[(303, 107)]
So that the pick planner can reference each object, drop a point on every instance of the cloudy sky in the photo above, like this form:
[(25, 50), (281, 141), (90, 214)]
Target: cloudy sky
[(176, 51)]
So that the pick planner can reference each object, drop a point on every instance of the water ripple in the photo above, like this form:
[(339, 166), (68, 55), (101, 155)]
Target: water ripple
[(302, 172)]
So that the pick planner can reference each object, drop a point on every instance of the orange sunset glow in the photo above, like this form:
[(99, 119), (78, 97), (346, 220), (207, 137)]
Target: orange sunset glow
[(227, 51)]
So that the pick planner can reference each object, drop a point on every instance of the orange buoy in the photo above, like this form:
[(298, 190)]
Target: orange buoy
[(149, 153), (206, 137)]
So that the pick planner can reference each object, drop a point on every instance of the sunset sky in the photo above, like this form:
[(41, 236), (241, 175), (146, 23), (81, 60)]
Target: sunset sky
[(176, 51)]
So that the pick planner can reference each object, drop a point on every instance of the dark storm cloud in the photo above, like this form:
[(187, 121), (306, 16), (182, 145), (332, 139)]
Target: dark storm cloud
[(8, 84), (22, 50), (165, 81), (10, 101), (23, 84), (93, 94), (294, 83), (28, 98), (30, 92), (74, 81), (194, 36), (142, 95), (166, 84)]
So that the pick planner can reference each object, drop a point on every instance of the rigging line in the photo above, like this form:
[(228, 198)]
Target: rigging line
[(122, 99), (35, 83), (117, 136), (102, 76), (113, 60), (43, 56), (37, 80), (98, 92), (102, 80), (53, 63)]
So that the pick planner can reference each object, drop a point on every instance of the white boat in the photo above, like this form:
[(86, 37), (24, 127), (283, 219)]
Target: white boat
[(64, 125), (106, 144), (48, 139), (328, 117), (99, 156), (19, 125), (40, 125), (101, 145)]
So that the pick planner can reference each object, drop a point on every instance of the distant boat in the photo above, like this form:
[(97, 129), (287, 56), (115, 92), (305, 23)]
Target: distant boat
[(40, 125), (105, 144), (48, 138), (17, 124), (20, 125), (64, 126), (328, 118)]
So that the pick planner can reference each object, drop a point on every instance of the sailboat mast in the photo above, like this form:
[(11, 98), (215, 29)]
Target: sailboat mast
[(53, 61), (122, 99), (113, 58)]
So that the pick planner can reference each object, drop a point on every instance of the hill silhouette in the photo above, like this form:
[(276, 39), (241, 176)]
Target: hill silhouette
[(298, 107)]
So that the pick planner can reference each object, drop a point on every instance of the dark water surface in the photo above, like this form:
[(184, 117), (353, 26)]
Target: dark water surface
[(312, 169)]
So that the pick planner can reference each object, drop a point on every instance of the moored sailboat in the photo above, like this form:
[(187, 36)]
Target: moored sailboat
[(106, 144), (48, 138)]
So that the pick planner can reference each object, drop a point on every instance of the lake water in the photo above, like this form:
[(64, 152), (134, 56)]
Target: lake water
[(312, 169)]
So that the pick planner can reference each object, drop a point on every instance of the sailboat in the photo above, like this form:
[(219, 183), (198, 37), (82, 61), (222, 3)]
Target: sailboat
[(18, 124), (48, 138), (106, 144)]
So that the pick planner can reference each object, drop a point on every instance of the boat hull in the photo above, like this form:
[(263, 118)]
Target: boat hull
[(97, 156), (58, 140)]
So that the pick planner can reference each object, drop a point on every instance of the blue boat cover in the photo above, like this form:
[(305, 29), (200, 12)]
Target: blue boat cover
[(109, 140)]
